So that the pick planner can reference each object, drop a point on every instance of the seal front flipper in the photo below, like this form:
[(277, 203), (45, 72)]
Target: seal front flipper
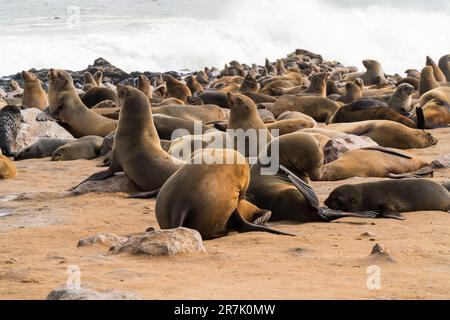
[(263, 218), (144, 195), (420, 118), (238, 223), (44, 115), (331, 215), (392, 215), (303, 187)]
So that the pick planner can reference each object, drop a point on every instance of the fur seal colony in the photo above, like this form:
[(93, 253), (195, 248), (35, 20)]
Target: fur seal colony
[(289, 110)]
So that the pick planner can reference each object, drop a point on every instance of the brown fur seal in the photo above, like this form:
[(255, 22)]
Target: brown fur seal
[(194, 85), (444, 65), (319, 108), (249, 85), (211, 205), (371, 76), (401, 100), (352, 93), (285, 194), (414, 82), (318, 84), (244, 116), (7, 168), (438, 74), (33, 94), (204, 113), (259, 98), (66, 107), (413, 73), (14, 86), (42, 148), (137, 149), (275, 88), (441, 93), (144, 86), (89, 81), (87, 148), (97, 94), (355, 113), (166, 125), (390, 197), (371, 162), (388, 134), (215, 97), (177, 89), (170, 101), (287, 126), (436, 113), (98, 78), (427, 81)]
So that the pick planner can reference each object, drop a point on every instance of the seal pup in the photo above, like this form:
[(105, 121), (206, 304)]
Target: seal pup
[(177, 89), (66, 107), (390, 197), (42, 148), (10, 121), (287, 192), (8, 169), (33, 94), (211, 205), (137, 148), (87, 148), (372, 162)]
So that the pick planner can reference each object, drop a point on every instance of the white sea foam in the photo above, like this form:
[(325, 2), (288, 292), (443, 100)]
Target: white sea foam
[(175, 34)]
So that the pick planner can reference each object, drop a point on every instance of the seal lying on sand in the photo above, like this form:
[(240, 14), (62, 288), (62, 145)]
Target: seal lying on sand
[(391, 197), (42, 148), (10, 121), (87, 148)]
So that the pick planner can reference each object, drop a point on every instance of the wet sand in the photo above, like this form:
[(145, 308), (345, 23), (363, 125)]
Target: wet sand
[(39, 242)]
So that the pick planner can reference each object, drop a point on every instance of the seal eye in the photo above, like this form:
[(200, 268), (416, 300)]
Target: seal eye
[(352, 200)]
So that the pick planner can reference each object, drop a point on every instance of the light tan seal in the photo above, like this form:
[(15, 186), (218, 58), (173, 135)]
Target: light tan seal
[(211, 205), (137, 148), (388, 134), (371, 162), (8, 169), (33, 94), (177, 89), (66, 107), (144, 86), (372, 76), (438, 74)]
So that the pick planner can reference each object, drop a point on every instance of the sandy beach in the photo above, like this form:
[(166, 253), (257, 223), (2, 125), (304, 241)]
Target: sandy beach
[(39, 239)]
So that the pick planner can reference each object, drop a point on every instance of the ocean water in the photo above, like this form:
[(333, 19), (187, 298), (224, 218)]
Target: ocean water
[(161, 35)]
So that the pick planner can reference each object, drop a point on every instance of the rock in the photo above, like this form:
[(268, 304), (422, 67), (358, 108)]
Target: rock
[(163, 243), (106, 239), (368, 235), (345, 143), (32, 130), (441, 163), (117, 183), (87, 294), (107, 144)]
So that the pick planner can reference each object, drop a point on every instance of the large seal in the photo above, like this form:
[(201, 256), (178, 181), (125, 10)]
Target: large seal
[(319, 108), (287, 193), (137, 148), (388, 134), (371, 76), (438, 74), (211, 205), (371, 162), (66, 107), (177, 89), (87, 148), (8, 169), (390, 198), (42, 148), (427, 81), (10, 121), (436, 113), (33, 94)]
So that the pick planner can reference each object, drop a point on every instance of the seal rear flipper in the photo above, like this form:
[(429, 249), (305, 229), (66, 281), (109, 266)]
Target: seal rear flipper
[(425, 172), (99, 176), (391, 215), (420, 118), (389, 151), (304, 188), (238, 223), (144, 195), (332, 215)]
